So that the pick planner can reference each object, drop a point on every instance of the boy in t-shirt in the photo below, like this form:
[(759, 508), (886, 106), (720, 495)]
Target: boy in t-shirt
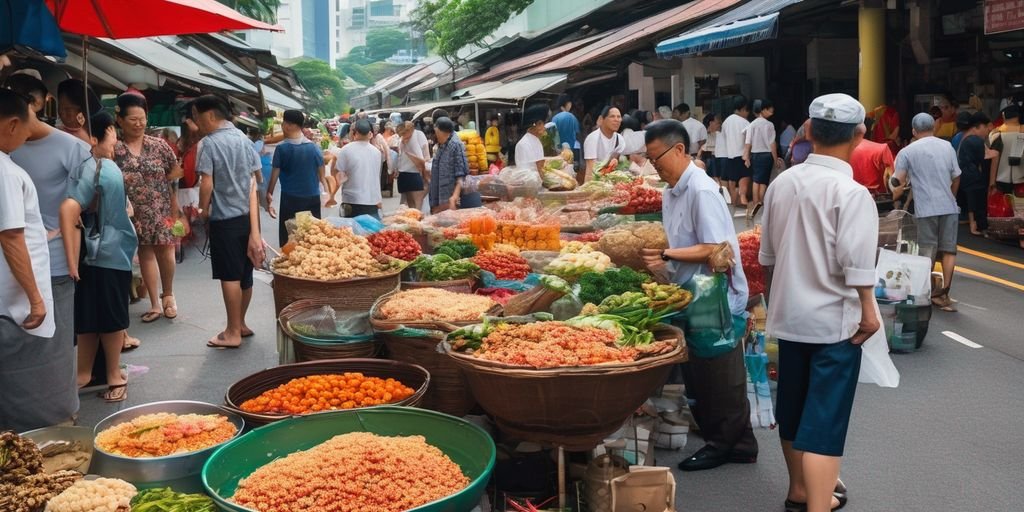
[(299, 164)]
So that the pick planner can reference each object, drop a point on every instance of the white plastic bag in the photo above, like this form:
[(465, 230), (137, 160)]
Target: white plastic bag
[(876, 366), (903, 277)]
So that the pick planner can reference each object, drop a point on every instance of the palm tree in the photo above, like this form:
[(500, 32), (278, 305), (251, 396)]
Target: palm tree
[(263, 10)]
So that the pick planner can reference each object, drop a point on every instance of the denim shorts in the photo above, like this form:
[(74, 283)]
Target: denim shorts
[(817, 383), (762, 164)]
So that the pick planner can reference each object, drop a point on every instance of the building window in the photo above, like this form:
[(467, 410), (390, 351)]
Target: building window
[(358, 17), (381, 8)]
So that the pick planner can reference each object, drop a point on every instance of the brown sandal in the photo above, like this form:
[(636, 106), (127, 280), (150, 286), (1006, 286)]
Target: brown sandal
[(130, 343), (173, 307), (150, 316), (115, 393)]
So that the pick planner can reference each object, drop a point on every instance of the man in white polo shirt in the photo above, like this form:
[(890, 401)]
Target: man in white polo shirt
[(760, 153), (360, 162), (819, 253), (694, 128)]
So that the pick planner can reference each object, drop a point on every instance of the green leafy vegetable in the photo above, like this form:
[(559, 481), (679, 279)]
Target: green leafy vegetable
[(456, 249), (166, 500), (596, 286), (442, 267)]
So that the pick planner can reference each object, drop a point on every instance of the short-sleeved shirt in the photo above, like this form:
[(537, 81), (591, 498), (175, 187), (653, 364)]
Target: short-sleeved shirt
[(697, 132), (869, 161), (598, 147), (568, 128), (417, 146), (732, 137), (118, 240), (1009, 144), (19, 209), (360, 161), (635, 142), (932, 166), (820, 234), (971, 157), (695, 213), (449, 164), (718, 144), (760, 135), (300, 162), (228, 157), (49, 161), (529, 151)]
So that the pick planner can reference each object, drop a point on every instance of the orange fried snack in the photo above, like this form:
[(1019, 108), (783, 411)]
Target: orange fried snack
[(317, 393)]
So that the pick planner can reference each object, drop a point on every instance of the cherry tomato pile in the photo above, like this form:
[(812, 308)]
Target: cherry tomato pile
[(397, 244), (644, 200), (506, 266), (750, 246)]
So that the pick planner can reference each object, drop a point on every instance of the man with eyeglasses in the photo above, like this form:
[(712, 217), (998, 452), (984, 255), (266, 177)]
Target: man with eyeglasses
[(696, 221)]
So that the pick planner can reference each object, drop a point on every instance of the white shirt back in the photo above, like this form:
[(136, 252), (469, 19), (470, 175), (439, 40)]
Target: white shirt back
[(760, 135), (19, 209), (360, 161), (820, 233), (417, 146), (732, 139), (529, 151), (697, 132)]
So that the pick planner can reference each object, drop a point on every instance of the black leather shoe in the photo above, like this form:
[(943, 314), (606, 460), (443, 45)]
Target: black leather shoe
[(708, 457), (739, 457)]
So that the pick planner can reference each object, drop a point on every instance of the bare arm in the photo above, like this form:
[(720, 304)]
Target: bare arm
[(590, 169), (868, 315), (274, 174), (255, 250), (695, 254), (956, 185), (205, 194), (16, 253), (70, 215), (540, 168)]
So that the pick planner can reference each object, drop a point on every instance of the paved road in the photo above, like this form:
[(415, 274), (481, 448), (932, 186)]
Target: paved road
[(948, 439)]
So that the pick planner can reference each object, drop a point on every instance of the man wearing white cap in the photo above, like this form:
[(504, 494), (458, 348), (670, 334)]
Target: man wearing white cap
[(820, 257)]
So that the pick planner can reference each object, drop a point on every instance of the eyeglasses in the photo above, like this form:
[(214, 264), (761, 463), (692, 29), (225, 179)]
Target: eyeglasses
[(655, 160)]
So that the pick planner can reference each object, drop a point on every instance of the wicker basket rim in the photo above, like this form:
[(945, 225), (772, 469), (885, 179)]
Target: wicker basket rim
[(337, 281), (677, 355), (440, 284)]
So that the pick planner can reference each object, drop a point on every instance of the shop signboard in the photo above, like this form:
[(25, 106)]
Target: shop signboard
[(1003, 16)]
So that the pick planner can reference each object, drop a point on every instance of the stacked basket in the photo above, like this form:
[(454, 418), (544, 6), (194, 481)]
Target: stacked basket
[(358, 293), (311, 349)]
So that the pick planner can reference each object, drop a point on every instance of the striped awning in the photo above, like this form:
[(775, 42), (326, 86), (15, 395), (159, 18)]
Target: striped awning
[(720, 37)]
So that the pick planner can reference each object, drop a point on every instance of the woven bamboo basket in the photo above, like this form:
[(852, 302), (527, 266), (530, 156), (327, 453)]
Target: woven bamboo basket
[(358, 293), (449, 390), (1006, 228), (454, 285), (309, 351), (382, 324), (411, 375), (571, 407)]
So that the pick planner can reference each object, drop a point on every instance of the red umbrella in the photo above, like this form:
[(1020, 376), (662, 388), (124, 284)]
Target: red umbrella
[(119, 19)]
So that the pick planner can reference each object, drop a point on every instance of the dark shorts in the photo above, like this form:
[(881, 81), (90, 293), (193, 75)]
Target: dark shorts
[(471, 200), (101, 300), (229, 250), (710, 164), (817, 383), (410, 182), (761, 165), (354, 210), (937, 233), (735, 169)]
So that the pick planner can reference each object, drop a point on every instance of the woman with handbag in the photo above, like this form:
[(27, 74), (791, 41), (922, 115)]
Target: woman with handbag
[(100, 258)]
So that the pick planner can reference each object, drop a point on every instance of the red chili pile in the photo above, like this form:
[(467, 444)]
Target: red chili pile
[(750, 246), (397, 244), (506, 266)]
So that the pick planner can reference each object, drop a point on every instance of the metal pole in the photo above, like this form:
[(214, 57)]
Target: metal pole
[(85, 83), (562, 497), (476, 116)]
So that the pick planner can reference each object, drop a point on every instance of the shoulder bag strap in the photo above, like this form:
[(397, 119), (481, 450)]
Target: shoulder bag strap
[(98, 195)]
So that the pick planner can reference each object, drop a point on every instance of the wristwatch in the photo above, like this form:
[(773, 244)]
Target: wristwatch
[(664, 257)]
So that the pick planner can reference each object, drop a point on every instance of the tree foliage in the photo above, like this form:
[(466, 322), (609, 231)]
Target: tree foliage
[(382, 43), (325, 86), (355, 72), (450, 25), (263, 10)]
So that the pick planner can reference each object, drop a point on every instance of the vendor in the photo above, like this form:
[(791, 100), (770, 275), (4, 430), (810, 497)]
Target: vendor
[(697, 220), (529, 149), (605, 142), (448, 170)]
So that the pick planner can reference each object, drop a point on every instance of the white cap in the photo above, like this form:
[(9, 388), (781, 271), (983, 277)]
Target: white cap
[(34, 73), (838, 108)]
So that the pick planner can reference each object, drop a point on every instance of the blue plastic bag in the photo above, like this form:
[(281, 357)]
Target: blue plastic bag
[(489, 280), (370, 223)]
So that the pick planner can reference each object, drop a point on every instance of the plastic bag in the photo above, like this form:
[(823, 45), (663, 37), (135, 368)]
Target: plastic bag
[(557, 180), (999, 204), (711, 329), (342, 222), (489, 280), (876, 366), (903, 278), (524, 177), (324, 324), (370, 223), (607, 220)]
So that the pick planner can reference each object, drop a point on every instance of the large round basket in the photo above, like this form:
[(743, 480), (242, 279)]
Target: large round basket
[(382, 324), (463, 442), (449, 390), (571, 407), (359, 293), (412, 375), (307, 349), (454, 285)]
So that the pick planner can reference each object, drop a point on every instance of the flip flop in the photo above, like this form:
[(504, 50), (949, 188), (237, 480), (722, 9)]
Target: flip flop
[(219, 346), (173, 307), (150, 316), (115, 393), (130, 343)]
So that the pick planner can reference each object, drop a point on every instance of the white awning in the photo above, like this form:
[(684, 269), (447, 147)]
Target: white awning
[(523, 88)]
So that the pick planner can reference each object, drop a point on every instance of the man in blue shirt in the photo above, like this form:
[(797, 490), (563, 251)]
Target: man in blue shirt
[(568, 126), (697, 221), (299, 163)]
